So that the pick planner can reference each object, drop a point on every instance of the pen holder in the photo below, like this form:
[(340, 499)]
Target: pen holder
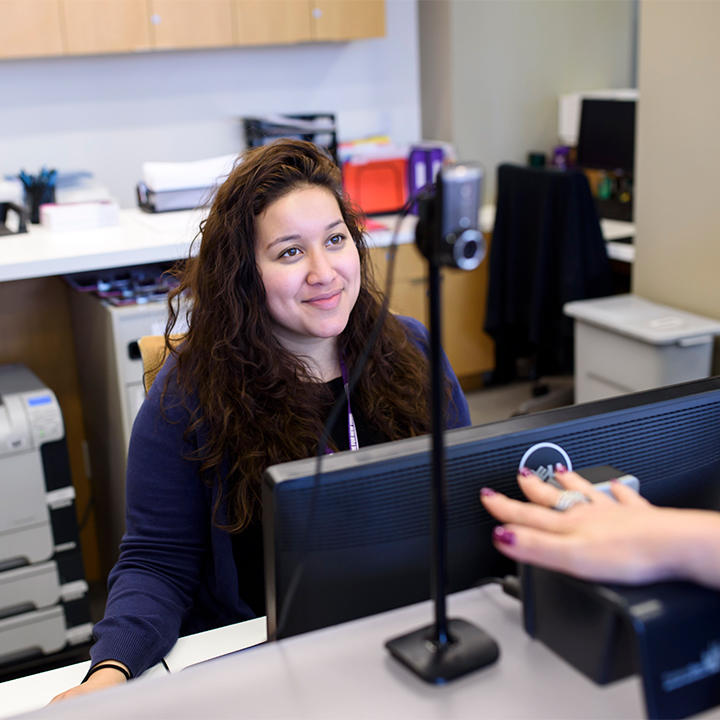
[(37, 194)]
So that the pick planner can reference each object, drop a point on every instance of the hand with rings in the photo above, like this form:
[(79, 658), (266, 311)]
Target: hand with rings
[(584, 532)]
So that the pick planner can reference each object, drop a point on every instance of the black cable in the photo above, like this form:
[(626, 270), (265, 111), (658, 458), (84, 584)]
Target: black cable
[(339, 405), (510, 584)]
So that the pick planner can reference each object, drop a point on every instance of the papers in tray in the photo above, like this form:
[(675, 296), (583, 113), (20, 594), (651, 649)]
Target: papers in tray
[(186, 199), (165, 176), (182, 185)]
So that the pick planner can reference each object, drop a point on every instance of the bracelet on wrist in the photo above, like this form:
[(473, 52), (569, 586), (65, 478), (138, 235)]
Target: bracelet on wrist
[(102, 666)]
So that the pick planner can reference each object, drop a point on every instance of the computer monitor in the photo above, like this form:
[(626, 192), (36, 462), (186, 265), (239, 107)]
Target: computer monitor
[(361, 529), (606, 139)]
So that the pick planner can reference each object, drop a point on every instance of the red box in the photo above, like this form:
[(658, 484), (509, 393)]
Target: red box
[(376, 186)]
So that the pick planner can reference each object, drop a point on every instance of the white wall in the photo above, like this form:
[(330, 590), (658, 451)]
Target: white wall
[(108, 114), (509, 62)]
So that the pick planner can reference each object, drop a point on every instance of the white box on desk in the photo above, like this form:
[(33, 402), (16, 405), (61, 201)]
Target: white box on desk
[(79, 215), (626, 343)]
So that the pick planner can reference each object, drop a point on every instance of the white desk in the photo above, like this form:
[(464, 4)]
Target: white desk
[(345, 672), (141, 237), (35, 691)]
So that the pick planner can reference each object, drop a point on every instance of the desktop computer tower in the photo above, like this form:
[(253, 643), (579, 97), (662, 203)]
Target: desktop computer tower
[(44, 604)]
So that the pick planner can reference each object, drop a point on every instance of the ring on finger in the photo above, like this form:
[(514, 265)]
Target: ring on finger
[(568, 498)]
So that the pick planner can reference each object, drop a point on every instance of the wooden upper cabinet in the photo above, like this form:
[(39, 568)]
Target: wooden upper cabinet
[(272, 22), (191, 23), (106, 26), (34, 28), (30, 28), (347, 19)]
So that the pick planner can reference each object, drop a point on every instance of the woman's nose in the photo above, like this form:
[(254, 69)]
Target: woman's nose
[(321, 270)]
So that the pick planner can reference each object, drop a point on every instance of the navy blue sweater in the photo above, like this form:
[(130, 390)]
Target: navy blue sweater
[(176, 573)]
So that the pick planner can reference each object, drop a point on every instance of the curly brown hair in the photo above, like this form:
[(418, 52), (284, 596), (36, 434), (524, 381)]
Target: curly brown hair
[(257, 403)]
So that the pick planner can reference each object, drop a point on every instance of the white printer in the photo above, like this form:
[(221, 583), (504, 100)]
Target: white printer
[(44, 607)]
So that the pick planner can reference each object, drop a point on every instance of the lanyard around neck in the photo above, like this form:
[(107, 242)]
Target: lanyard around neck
[(352, 430), (353, 443)]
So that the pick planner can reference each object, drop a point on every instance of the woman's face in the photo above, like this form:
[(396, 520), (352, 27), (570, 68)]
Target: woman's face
[(309, 265)]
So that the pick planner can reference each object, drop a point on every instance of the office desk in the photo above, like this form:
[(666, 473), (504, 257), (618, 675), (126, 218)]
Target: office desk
[(345, 672), (141, 237), (34, 692)]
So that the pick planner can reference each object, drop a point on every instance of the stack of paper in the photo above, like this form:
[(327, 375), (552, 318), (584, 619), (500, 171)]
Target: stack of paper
[(182, 185)]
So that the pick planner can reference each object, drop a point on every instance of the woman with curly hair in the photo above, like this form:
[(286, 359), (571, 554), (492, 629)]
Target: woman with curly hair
[(280, 301)]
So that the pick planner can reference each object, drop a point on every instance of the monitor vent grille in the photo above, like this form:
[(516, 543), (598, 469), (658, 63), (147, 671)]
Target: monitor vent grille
[(391, 502)]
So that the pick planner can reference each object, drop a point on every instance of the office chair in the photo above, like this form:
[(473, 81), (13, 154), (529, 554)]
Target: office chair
[(153, 354), (547, 249)]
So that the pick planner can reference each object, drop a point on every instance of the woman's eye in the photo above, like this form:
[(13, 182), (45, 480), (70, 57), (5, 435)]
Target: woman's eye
[(290, 252), (336, 239)]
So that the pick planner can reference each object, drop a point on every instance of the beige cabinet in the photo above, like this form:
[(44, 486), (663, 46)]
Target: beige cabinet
[(464, 298), (33, 28), (177, 24), (30, 28), (106, 26), (272, 22), (347, 19)]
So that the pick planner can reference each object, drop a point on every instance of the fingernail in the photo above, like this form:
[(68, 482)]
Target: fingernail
[(487, 492), (525, 472), (559, 467), (504, 536)]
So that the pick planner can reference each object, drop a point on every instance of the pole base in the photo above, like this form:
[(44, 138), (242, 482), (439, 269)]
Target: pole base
[(469, 649)]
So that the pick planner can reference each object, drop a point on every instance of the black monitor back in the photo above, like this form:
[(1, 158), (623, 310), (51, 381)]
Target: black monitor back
[(606, 138), (361, 529)]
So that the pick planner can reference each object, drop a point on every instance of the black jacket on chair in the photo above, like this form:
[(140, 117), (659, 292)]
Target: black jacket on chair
[(547, 249)]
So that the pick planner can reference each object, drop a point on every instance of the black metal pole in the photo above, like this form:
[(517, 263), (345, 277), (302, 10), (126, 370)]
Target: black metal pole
[(439, 505)]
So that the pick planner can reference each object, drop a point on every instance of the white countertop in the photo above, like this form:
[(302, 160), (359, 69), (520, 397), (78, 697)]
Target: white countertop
[(346, 672), (142, 237), (33, 692)]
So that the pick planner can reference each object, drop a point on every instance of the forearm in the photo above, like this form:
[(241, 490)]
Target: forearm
[(694, 545)]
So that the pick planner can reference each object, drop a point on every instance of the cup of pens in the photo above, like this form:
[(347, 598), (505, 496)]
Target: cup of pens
[(39, 189)]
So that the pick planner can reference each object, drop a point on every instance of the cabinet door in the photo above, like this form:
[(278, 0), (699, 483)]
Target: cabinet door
[(272, 22), (191, 23), (464, 299), (408, 295), (347, 19), (30, 28), (106, 26)]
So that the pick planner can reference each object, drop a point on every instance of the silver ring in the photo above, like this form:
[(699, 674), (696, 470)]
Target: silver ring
[(568, 498)]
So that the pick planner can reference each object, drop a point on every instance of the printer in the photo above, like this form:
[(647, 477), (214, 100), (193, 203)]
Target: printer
[(44, 604)]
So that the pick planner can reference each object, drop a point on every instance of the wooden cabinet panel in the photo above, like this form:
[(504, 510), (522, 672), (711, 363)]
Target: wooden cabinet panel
[(471, 351), (36, 330), (464, 299), (30, 28), (106, 26), (347, 19), (191, 23), (272, 22)]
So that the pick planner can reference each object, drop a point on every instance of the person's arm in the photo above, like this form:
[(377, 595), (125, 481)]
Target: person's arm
[(625, 539), (151, 587)]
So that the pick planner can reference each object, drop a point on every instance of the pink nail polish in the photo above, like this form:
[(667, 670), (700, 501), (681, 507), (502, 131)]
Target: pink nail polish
[(487, 492), (525, 472), (504, 536), (559, 467)]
